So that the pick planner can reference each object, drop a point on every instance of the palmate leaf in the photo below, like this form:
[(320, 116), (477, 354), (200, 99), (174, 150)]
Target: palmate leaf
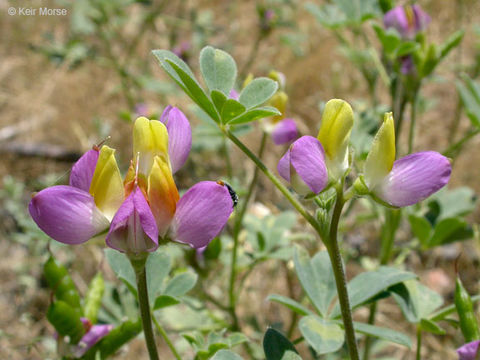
[(218, 69), (257, 92), (179, 71)]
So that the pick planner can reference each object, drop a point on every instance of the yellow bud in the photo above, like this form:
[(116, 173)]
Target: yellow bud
[(381, 157), (150, 139), (334, 134), (107, 186), (279, 101)]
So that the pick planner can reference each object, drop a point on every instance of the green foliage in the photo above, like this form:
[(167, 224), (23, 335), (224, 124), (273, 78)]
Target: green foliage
[(66, 321), (277, 346), (93, 298), (323, 335), (443, 221), (214, 342), (219, 72), (466, 313), (469, 91)]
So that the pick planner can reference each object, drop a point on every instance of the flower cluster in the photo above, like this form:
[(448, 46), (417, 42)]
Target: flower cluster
[(311, 164), (145, 205)]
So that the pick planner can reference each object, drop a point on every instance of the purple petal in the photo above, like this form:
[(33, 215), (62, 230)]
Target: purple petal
[(283, 166), (67, 214), (82, 171), (422, 19), (414, 178), (468, 351), (201, 214), (141, 109), (407, 65), (133, 227), (304, 164), (396, 18), (94, 335), (179, 136), (285, 132)]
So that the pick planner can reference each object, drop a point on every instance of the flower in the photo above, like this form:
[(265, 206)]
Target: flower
[(284, 132), (303, 166), (145, 205), (468, 351), (334, 134), (94, 334), (408, 20), (405, 181)]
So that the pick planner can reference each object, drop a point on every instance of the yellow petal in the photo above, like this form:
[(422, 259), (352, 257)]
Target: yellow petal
[(150, 139), (381, 157), (107, 186), (334, 134), (162, 194), (279, 101)]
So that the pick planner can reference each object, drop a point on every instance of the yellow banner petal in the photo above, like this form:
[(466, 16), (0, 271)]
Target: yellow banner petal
[(381, 157), (334, 134), (107, 186), (162, 194), (150, 139)]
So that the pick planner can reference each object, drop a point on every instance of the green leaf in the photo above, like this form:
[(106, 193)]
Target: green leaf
[(257, 92), (122, 268), (450, 230), (416, 300), (432, 327), (164, 301), (218, 99), (254, 114), (226, 355), (457, 202), (179, 71), (181, 284), (218, 69), (470, 95), (316, 277), (324, 336), (118, 337), (66, 321), (157, 268), (452, 42), (369, 284), (290, 355), (421, 228), (383, 333), (275, 345), (231, 109), (290, 303), (406, 48)]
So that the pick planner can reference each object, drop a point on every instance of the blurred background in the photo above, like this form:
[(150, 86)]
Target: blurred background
[(69, 81)]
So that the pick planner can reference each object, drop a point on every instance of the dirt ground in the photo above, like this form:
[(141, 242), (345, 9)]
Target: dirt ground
[(51, 104)]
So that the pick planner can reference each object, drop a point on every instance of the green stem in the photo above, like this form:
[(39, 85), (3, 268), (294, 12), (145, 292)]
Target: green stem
[(236, 232), (413, 120), (419, 343), (389, 229), (340, 279), (276, 181), (332, 243), (165, 337), (141, 276), (228, 162)]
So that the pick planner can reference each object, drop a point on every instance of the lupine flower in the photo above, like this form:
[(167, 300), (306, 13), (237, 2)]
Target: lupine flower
[(469, 351), (284, 132), (334, 134), (303, 166), (145, 205), (405, 181), (408, 20)]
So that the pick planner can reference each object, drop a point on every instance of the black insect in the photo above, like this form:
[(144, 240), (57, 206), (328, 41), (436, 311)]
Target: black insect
[(232, 192)]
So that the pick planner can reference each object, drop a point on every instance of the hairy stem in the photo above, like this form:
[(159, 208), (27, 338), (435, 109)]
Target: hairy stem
[(340, 279), (236, 232), (141, 276)]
